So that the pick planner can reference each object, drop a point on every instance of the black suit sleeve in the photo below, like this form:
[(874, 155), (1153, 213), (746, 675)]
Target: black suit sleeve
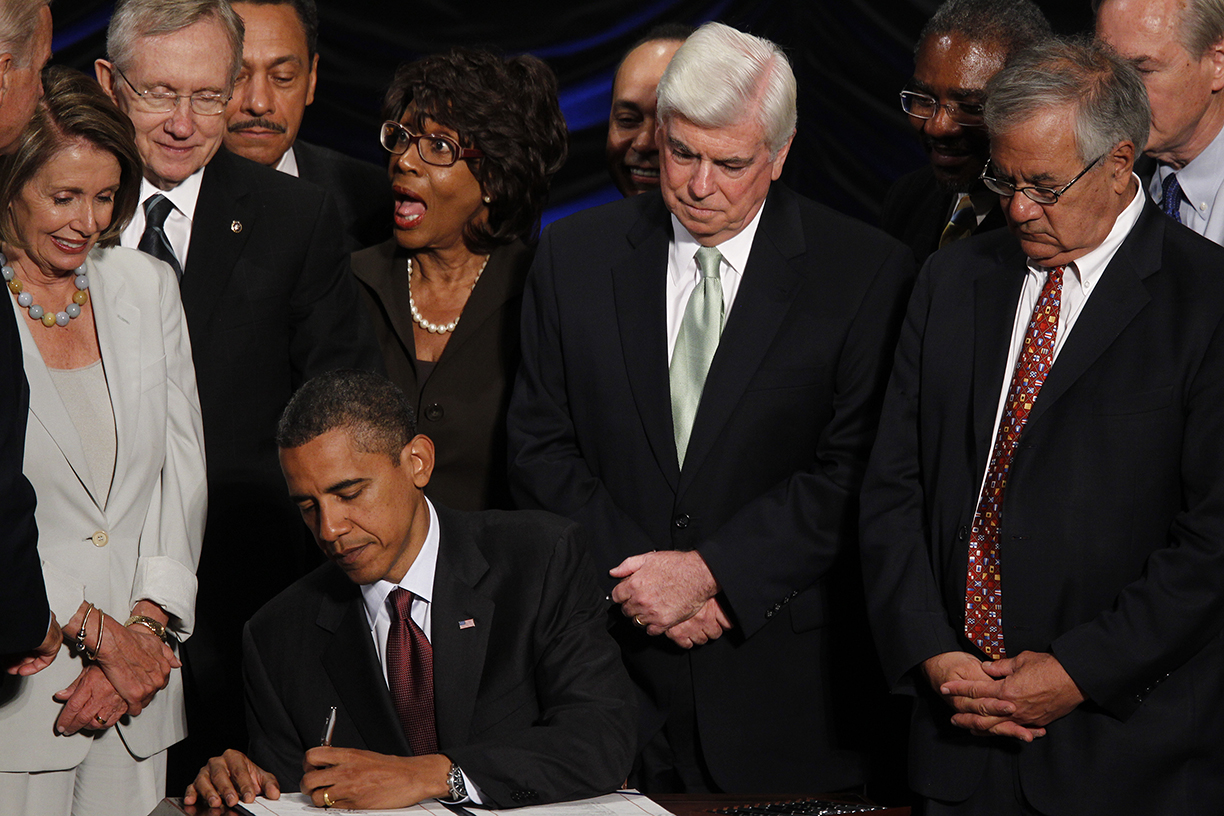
[(275, 744), (24, 613), (581, 742), (903, 598), (547, 468), (331, 328)]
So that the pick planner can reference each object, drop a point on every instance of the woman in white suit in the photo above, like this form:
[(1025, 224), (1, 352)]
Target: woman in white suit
[(114, 449)]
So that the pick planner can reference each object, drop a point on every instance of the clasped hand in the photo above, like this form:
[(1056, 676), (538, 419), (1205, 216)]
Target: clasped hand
[(1014, 697), (672, 593)]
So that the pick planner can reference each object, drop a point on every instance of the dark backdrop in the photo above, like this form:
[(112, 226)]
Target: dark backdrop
[(851, 58)]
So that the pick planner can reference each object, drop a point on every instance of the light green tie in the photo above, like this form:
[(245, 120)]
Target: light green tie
[(695, 346)]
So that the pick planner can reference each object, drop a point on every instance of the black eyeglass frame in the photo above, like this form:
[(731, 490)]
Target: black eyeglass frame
[(1040, 195), (407, 138), (956, 110), (192, 99)]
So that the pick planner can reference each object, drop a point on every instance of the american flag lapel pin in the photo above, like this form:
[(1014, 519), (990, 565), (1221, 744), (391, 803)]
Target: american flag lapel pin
[(467, 623)]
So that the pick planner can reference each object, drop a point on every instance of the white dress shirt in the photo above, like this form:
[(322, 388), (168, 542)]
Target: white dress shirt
[(178, 222), (683, 274), (288, 163), (419, 580), (1202, 184), (1080, 280)]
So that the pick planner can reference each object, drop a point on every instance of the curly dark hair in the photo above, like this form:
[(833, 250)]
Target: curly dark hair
[(506, 108)]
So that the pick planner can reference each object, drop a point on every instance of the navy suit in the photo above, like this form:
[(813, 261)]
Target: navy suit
[(362, 192), (1112, 528), (767, 492)]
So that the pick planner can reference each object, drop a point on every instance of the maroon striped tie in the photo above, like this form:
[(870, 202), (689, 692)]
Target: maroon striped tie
[(983, 582), (410, 675)]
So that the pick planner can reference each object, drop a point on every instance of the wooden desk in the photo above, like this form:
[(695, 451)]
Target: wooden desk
[(681, 804)]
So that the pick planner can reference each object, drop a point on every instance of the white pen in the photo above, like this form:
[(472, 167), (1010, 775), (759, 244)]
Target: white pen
[(329, 727)]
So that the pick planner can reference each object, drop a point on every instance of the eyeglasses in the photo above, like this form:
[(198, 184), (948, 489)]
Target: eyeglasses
[(201, 102), (924, 106), (1042, 195), (440, 151)]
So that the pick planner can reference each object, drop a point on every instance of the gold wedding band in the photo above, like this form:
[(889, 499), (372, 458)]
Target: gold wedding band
[(638, 620), (101, 720), (327, 802)]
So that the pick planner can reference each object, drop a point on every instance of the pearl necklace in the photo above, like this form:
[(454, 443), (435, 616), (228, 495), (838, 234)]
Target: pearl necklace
[(434, 328), (26, 301)]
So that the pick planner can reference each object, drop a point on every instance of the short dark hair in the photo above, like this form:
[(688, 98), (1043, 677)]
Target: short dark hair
[(369, 407), (73, 108), (1012, 24), (506, 108), (307, 13)]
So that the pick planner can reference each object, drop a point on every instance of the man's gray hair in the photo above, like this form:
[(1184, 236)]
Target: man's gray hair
[(1201, 25), (1012, 25), (136, 19), (18, 19), (719, 73), (1111, 105)]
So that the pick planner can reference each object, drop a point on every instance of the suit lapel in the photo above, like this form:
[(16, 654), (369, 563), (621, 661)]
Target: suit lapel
[(386, 277), (995, 294), (118, 325), (1120, 295), (639, 286), (362, 691), (458, 653), (501, 280), (771, 278), (220, 226)]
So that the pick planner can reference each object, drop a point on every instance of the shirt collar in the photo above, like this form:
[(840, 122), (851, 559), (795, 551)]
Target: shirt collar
[(419, 580), (735, 251), (183, 196), (288, 163), (1089, 267), (1200, 178)]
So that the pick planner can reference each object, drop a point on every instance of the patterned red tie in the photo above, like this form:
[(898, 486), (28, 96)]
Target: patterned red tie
[(983, 583), (410, 675)]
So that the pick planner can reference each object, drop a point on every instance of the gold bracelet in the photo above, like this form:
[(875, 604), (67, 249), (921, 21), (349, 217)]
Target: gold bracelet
[(98, 645), (153, 625), (80, 637)]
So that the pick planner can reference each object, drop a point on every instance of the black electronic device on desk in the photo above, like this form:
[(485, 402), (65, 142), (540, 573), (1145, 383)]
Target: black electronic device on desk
[(800, 807)]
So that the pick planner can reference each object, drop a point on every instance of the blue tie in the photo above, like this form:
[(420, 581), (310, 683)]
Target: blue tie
[(1170, 199)]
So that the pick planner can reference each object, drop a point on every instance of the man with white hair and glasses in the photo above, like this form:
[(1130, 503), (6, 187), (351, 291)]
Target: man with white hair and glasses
[(1043, 514), (700, 379)]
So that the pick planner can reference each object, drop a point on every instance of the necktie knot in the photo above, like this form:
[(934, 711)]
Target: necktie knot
[(1171, 196), (401, 605), (709, 261), (157, 208), (154, 241)]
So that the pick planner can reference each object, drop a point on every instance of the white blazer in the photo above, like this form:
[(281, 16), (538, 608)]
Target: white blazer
[(146, 543)]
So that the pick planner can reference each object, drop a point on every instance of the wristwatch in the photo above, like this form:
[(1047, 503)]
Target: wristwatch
[(454, 780), (153, 625)]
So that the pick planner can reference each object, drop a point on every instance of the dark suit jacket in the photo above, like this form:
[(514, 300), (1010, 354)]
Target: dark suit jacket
[(531, 702), (1112, 524), (361, 190), (917, 209), (772, 468), (462, 404), (24, 614), (270, 303)]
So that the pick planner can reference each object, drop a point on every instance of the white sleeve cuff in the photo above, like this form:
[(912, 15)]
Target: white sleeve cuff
[(172, 586)]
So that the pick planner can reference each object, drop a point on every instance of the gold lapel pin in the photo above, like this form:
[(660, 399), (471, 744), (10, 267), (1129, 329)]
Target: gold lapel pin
[(236, 227)]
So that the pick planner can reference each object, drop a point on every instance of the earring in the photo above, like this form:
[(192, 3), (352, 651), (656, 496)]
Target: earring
[(487, 200)]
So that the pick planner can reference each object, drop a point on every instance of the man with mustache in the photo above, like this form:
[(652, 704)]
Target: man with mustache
[(277, 81), (961, 47)]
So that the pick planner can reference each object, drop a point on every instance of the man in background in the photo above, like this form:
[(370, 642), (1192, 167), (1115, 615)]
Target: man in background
[(280, 65), (961, 47), (26, 622), (269, 300), (1178, 47), (633, 156)]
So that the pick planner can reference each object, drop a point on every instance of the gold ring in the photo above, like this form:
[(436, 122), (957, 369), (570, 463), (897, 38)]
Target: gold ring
[(327, 802), (101, 720), (638, 620)]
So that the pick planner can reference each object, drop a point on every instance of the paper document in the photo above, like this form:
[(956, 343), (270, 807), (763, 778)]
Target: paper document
[(298, 804), (623, 803)]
